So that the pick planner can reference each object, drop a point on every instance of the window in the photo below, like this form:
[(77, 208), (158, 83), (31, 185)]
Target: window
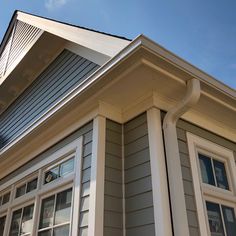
[(2, 224), (213, 172), (4, 198), (59, 170), (26, 187), (56, 214), (49, 210), (22, 221), (214, 180)]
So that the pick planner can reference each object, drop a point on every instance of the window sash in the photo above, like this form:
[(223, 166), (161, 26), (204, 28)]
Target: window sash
[(203, 191), (73, 149)]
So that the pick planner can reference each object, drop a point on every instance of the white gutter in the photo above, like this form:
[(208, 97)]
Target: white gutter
[(178, 206)]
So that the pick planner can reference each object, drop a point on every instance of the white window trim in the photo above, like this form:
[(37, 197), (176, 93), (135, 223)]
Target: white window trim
[(195, 144), (43, 190)]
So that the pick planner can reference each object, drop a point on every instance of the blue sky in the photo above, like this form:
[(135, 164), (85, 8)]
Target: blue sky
[(203, 32)]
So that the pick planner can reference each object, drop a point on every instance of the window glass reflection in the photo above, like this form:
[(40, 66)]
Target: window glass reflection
[(63, 207), (46, 218), (214, 219), (206, 170), (221, 176), (27, 219)]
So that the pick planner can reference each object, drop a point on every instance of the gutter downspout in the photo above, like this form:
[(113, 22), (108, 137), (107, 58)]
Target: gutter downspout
[(178, 206)]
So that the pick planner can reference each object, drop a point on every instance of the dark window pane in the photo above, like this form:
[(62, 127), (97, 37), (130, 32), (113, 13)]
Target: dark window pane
[(47, 208), (27, 219), (221, 176), (206, 170), (215, 219), (6, 198), (15, 223), (0, 200), (20, 191), (229, 218), (51, 175), (2, 224), (63, 207), (32, 185), (45, 233), (62, 231), (67, 167)]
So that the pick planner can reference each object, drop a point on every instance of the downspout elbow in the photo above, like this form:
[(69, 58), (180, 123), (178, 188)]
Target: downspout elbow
[(191, 98)]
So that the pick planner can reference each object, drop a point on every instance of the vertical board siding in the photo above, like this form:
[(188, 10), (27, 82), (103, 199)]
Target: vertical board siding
[(66, 72), (182, 128), (21, 38), (24, 36), (113, 197), (138, 183), (4, 56)]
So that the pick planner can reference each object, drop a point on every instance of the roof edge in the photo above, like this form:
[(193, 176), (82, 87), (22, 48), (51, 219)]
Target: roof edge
[(73, 25)]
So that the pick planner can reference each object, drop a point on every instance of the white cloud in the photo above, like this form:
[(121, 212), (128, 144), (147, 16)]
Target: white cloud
[(53, 4)]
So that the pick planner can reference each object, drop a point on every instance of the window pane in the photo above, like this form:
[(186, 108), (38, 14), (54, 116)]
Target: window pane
[(32, 185), (67, 167), (229, 218), (6, 198), (220, 173), (27, 219), (0, 200), (51, 175), (206, 170), (15, 223), (2, 224), (20, 191), (45, 233), (62, 231), (46, 217), (63, 207), (215, 219)]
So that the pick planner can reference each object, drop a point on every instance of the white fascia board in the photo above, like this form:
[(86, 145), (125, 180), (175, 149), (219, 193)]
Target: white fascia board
[(102, 43), (186, 66)]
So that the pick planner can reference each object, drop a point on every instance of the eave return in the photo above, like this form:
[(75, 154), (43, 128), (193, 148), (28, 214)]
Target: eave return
[(21, 38)]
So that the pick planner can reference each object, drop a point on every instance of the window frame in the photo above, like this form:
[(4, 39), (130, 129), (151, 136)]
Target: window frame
[(206, 192), (54, 192), (71, 180)]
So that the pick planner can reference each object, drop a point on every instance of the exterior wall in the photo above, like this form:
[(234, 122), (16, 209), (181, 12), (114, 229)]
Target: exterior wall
[(139, 212), (128, 188), (182, 128), (113, 196), (86, 131), (66, 72)]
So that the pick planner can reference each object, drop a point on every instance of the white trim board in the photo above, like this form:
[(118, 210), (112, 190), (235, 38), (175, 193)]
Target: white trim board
[(195, 144)]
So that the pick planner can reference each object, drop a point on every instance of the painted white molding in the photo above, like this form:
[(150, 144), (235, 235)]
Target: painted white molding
[(159, 175), (77, 190), (196, 144), (96, 199), (87, 53)]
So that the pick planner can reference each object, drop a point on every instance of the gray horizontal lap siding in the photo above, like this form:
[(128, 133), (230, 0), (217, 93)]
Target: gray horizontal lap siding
[(138, 183), (66, 72), (113, 197), (85, 181), (182, 128)]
